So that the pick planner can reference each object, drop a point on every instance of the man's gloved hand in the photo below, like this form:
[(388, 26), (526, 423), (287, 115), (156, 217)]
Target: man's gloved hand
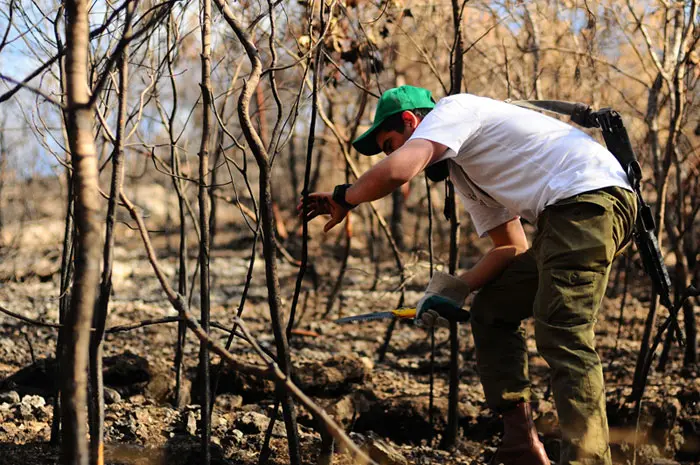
[(443, 301)]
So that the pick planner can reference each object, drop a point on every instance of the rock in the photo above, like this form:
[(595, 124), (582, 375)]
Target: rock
[(161, 387), (403, 419), (333, 377), (382, 452), (252, 423), (138, 399), (191, 422), (341, 410), (111, 396), (186, 421), (127, 373), (10, 429), (38, 378), (356, 437), (25, 411), (252, 389), (5, 412), (228, 402), (34, 401), (256, 423), (142, 415), (10, 397), (139, 425), (31, 407)]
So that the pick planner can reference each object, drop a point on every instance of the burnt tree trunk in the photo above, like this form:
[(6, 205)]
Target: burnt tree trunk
[(97, 400), (449, 438), (204, 209), (398, 205), (64, 301), (74, 446), (171, 31), (3, 158), (283, 356), (68, 245)]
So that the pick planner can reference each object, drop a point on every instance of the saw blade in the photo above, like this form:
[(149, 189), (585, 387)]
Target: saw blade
[(366, 317)]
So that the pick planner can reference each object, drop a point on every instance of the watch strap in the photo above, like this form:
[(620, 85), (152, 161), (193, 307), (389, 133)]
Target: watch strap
[(339, 196)]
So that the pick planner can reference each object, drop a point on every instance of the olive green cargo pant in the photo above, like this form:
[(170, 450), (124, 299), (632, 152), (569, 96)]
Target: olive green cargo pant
[(560, 281)]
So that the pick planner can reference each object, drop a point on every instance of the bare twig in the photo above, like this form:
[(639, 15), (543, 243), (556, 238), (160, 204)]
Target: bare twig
[(164, 10), (28, 320), (61, 51), (37, 91)]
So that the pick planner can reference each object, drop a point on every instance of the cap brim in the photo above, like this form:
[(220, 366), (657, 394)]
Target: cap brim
[(366, 144)]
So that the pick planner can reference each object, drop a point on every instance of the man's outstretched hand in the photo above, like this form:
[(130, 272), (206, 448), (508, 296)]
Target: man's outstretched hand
[(321, 203)]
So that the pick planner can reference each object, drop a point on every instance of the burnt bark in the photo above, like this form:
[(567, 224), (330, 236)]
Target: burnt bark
[(97, 401), (179, 400), (74, 446), (449, 438), (397, 208), (204, 244)]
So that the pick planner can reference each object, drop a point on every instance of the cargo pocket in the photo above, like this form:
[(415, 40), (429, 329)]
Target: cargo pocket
[(574, 297), (576, 233)]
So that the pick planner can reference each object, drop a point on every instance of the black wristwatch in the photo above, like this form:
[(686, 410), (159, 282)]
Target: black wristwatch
[(339, 196)]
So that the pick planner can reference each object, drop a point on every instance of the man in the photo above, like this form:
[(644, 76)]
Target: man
[(507, 164)]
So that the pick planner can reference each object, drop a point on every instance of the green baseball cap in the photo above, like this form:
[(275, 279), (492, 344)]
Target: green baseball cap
[(391, 102)]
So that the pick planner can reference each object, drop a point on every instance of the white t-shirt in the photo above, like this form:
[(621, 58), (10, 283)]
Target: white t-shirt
[(506, 161)]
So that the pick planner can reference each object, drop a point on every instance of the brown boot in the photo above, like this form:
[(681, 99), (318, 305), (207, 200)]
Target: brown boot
[(520, 443)]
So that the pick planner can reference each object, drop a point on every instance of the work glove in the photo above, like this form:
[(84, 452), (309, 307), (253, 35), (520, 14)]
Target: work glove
[(442, 302)]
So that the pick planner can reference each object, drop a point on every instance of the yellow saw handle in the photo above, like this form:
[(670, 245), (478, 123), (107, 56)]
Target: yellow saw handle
[(404, 312), (457, 315)]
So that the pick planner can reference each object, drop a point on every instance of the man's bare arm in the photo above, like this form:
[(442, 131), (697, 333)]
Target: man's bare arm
[(377, 182), (509, 241), (394, 171)]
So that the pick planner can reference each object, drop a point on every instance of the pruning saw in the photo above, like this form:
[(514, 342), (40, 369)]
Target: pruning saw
[(406, 313), (399, 313)]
